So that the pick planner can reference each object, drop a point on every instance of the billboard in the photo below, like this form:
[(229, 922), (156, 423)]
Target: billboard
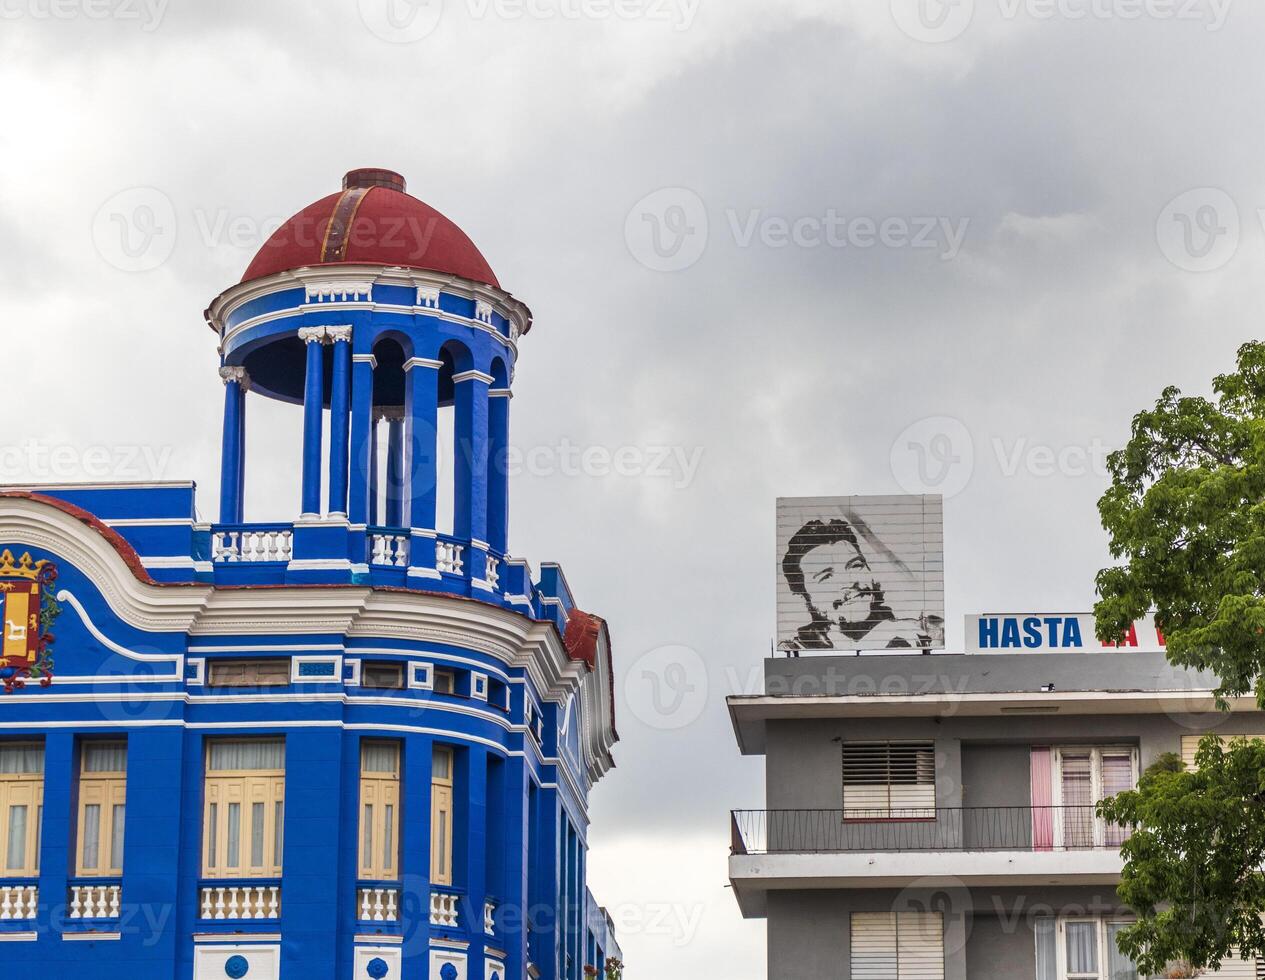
[(1053, 633), (860, 573)]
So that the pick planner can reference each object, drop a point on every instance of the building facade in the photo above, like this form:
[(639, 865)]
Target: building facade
[(933, 817), (357, 742)]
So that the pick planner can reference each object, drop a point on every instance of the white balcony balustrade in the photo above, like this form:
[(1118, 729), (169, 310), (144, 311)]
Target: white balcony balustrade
[(241, 902), (94, 901), (378, 904), (388, 549), (259, 545), (450, 557), (18, 902), (444, 909)]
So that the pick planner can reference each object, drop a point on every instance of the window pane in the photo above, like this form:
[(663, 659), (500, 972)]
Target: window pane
[(17, 838), (1119, 966), (1078, 800), (383, 757), (234, 834), (443, 842), (39, 830), (366, 832), (388, 839), (443, 764), (1047, 949), (212, 821), (279, 809), (256, 835), (1082, 948), (91, 837), (252, 755), (21, 759), (116, 837), (105, 757)]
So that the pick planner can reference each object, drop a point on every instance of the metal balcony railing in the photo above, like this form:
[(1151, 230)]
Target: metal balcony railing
[(1007, 828)]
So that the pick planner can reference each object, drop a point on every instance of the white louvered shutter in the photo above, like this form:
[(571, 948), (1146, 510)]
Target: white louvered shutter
[(885, 779), (874, 946), (897, 946), (1236, 969), (1190, 745)]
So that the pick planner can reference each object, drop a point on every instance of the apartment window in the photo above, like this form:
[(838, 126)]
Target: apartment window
[(382, 675), (379, 810), (898, 945), (889, 780), (1190, 745), (441, 816), (273, 672), (1083, 777), (445, 681), (21, 806), (102, 809), (1081, 949), (244, 813)]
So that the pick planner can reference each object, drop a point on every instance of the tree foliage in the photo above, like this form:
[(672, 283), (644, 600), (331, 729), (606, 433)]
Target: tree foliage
[(1193, 864), (1186, 513), (1186, 517)]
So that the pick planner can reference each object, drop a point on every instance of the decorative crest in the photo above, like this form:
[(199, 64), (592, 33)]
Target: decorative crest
[(28, 610)]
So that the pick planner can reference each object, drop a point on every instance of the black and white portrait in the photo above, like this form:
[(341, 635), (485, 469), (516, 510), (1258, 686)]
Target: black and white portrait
[(860, 573)]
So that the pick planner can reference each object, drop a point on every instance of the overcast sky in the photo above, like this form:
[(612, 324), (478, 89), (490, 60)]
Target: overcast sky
[(786, 240)]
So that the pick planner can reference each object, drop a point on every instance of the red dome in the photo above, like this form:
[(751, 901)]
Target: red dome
[(372, 221)]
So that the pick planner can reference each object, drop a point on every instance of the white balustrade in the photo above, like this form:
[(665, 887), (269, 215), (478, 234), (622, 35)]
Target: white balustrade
[(252, 546), (95, 901), (443, 909), (494, 573), (450, 557), (489, 917), (389, 549), (18, 902), (241, 902), (378, 904)]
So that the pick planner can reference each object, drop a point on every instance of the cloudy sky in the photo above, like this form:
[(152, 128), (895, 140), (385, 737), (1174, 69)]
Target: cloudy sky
[(793, 246)]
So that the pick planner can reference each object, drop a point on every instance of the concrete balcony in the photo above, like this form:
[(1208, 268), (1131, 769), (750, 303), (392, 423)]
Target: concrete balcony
[(980, 846)]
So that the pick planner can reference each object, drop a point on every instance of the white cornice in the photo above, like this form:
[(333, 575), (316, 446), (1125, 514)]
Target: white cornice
[(348, 276)]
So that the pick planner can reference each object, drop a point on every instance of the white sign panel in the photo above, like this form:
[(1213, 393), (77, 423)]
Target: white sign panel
[(860, 573), (1053, 633)]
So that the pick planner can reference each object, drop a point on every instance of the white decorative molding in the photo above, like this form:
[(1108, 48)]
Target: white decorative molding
[(333, 676), (428, 297), (210, 959), (199, 672), (439, 958), (421, 676), (230, 374), (500, 393), (478, 686), (390, 955), (487, 379), (365, 359), (312, 335), (331, 291), (175, 659), (338, 334), (426, 362), (483, 311)]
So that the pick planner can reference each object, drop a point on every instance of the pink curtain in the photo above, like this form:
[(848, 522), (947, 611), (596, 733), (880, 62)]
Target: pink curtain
[(1042, 799)]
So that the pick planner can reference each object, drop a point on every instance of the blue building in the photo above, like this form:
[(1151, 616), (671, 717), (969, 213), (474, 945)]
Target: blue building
[(354, 743)]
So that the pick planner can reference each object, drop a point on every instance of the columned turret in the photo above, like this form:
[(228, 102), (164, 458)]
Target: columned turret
[(391, 324)]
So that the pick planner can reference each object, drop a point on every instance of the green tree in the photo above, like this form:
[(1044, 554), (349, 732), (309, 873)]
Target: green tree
[(1186, 517)]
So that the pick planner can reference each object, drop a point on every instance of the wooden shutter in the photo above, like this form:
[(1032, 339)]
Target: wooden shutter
[(1190, 745), (889, 779), (897, 946)]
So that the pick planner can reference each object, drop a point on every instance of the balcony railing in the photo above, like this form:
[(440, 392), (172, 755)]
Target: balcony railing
[(244, 900), (378, 901), (93, 899), (252, 543), (1014, 828), (19, 900)]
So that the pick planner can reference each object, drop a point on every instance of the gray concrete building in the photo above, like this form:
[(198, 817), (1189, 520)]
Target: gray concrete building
[(932, 817)]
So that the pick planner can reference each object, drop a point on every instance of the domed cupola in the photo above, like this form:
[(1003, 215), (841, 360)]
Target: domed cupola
[(385, 322), (372, 221)]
